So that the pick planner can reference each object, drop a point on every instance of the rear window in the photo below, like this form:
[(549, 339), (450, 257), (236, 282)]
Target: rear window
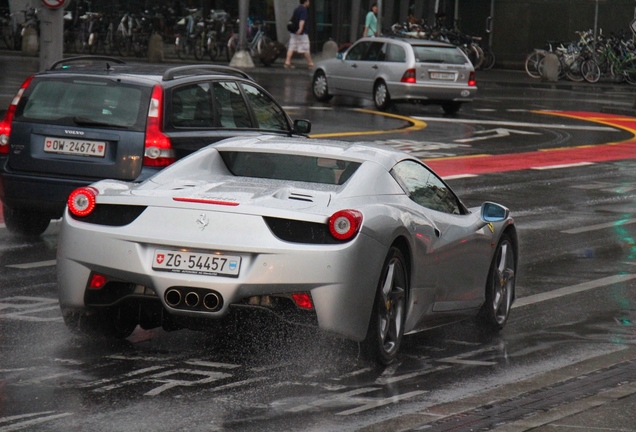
[(430, 54), (86, 102), (289, 167)]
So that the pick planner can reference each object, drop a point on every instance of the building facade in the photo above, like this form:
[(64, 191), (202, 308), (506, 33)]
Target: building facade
[(512, 27)]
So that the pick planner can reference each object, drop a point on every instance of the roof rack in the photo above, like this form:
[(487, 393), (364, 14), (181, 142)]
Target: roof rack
[(171, 73), (89, 58)]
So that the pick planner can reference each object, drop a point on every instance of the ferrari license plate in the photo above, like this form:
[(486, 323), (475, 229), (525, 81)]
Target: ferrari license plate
[(75, 147), (444, 76), (196, 263)]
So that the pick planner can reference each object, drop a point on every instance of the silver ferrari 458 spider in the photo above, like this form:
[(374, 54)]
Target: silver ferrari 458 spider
[(360, 241)]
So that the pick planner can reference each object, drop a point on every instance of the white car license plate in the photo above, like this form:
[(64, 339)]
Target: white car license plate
[(75, 147), (196, 263), (445, 76)]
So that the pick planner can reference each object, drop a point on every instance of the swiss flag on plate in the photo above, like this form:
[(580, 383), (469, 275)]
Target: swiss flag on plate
[(48, 143), (160, 258)]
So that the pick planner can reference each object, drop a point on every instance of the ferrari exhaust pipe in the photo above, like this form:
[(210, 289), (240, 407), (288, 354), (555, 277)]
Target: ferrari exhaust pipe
[(192, 299), (173, 297), (212, 301)]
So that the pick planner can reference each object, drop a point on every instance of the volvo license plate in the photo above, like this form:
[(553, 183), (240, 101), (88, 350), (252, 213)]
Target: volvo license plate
[(78, 147)]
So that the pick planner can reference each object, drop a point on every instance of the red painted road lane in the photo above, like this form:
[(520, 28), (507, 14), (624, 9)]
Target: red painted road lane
[(483, 164)]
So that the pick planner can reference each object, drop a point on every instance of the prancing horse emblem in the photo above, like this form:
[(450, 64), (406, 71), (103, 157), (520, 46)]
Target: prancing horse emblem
[(203, 221)]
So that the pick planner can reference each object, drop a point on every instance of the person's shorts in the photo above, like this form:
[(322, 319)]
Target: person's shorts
[(299, 43)]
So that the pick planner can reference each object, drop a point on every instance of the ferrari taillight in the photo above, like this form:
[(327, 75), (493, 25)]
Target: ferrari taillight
[(81, 202), (345, 224), (5, 124), (159, 152), (409, 77), (303, 300), (97, 281)]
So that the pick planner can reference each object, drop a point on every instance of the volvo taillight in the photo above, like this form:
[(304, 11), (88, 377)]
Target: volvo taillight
[(5, 124), (345, 224), (158, 152)]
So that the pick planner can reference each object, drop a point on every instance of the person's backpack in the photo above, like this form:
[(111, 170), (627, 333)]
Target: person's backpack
[(293, 23)]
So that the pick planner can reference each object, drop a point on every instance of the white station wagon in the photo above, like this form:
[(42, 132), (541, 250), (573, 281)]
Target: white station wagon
[(392, 69)]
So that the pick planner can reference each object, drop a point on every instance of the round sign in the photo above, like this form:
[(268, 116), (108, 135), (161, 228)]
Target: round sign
[(53, 4)]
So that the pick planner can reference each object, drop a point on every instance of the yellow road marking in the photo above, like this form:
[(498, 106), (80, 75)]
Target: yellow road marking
[(415, 125)]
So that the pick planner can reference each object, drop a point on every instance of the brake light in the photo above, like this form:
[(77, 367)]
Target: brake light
[(471, 80), (97, 281), (81, 202), (345, 224), (159, 152), (303, 300), (5, 124), (409, 77)]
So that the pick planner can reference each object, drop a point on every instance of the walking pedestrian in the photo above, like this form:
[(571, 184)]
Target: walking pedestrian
[(371, 22), (299, 40)]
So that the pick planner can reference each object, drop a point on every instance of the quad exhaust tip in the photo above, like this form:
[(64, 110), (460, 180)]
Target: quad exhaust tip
[(193, 299)]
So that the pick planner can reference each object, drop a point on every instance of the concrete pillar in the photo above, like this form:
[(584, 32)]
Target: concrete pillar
[(51, 36), (283, 10)]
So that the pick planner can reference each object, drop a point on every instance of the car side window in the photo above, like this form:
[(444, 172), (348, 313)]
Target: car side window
[(229, 106), (425, 188), (395, 53), (192, 106), (268, 114), (375, 52), (357, 51)]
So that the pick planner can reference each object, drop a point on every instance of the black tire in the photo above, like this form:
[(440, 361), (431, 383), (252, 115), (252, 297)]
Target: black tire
[(320, 87), (386, 327), (629, 71), (213, 49), (381, 96), (532, 64), (199, 49), (451, 108), (25, 223), (500, 287), (122, 44), (591, 71), (110, 324), (232, 47)]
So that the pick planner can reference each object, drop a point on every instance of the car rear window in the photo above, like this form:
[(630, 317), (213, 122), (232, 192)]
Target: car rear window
[(431, 54), (86, 102), (278, 166)]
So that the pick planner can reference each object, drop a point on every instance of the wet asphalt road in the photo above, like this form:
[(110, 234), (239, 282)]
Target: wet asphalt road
[(571, 334)]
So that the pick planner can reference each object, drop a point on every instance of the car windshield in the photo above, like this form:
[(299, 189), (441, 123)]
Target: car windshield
[(289, 167), (86, 102), (433, 54)]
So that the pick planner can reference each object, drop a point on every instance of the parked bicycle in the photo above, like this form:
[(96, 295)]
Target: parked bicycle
[(256, 44)]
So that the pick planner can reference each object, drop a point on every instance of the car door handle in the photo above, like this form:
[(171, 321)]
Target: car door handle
[(354, 65), (374, 66)]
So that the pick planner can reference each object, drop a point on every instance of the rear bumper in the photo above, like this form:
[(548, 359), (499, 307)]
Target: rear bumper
[(432, 93), (42, 193)]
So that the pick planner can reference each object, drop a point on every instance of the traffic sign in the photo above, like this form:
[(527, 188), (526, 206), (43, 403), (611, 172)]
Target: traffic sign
[(53, 4)]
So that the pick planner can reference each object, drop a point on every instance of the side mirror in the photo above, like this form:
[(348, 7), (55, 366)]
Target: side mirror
[(492, 212), (302, 126)]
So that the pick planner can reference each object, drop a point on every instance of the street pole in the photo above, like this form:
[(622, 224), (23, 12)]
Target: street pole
[(242, 57), (378, 30)]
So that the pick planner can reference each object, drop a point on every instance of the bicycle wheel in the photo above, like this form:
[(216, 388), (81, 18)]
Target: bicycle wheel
[(533, 61), (232, 47), (629, 71), (489, 59), (262, 44), (213, 49), (591, 71), (122, 44), (199, 48), (109, 42), (181, 46), (573, 70)]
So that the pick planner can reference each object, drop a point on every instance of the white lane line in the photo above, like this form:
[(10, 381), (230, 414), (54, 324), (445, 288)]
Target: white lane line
[(24, 425), (572, 165), (518, 124), (600, 226), (33, 264), (574, 289)]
